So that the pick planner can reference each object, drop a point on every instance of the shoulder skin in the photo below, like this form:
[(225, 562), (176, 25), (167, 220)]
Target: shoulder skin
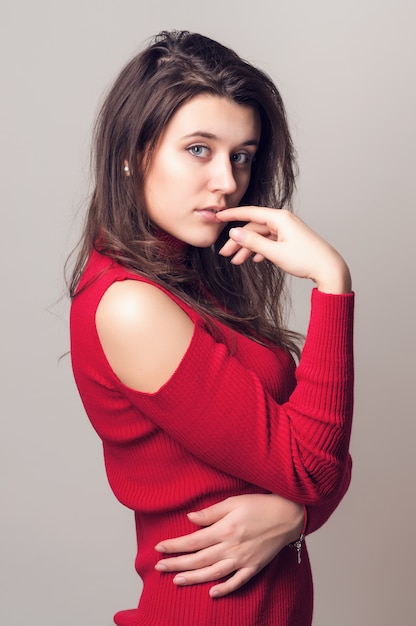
[(144, 334)]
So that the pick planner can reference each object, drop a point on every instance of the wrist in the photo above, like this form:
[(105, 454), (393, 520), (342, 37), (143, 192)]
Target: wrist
[(298, 523), (337, 281)]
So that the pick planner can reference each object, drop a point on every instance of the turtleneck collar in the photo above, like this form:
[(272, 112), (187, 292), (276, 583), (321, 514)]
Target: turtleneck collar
[(171, 244)]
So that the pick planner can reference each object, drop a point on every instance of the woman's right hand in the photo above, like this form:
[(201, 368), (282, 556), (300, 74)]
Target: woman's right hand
[(240, 536), (281, 237)]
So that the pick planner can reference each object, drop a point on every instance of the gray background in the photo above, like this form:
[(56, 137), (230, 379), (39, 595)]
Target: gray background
[(346, 71)]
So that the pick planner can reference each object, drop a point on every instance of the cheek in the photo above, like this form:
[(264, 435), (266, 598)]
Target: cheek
[(243, 184), (167, 187)]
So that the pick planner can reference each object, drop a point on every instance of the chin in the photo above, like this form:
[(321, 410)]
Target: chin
[(205, 240)]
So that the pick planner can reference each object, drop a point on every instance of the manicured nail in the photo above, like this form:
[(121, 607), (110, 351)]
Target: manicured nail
[(179, 580), (160, 548), (161, 567), (194, 515), (237, 234)]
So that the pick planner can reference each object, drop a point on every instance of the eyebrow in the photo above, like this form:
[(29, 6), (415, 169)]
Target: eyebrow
[(206, 135)]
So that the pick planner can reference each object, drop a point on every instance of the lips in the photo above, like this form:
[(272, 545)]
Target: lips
[(213, 209), (210, 213)]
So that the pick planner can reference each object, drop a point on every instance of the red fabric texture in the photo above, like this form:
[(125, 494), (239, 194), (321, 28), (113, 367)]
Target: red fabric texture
[(236, 417)]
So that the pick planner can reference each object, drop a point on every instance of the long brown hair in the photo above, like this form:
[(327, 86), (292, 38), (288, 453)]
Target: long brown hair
[(174, 68)]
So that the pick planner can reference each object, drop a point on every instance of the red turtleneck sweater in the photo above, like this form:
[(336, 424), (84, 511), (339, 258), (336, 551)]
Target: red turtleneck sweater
[(235, 417)]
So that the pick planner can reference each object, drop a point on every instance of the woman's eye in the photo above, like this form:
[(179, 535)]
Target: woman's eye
[(241, 158), (198, 151)]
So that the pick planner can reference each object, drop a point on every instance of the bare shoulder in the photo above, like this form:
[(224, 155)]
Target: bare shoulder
[(143, 332), (135, 303)]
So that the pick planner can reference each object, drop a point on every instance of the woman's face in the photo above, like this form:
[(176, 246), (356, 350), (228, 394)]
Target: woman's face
[(201, 164)]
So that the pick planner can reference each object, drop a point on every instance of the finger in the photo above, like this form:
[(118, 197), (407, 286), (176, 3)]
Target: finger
[(213, 513), (194, 561), (229, 248), (255, 242), (218, 570), (259, 215), (240, 578), (200, 539), (241, 256), (232, 248)]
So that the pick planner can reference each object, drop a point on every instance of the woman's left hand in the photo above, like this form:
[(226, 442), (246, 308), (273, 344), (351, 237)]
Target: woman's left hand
[(241, 535)]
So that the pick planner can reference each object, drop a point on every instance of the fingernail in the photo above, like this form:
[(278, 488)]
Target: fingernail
[(179, 580), (194, 514), (160, 548), (161, 567), (237, 234), (213, 593)]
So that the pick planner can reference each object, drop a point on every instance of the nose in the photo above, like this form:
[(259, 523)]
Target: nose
[(222, 175)]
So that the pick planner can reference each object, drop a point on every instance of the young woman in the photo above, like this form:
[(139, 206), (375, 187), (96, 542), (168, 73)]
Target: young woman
[(179, 348)]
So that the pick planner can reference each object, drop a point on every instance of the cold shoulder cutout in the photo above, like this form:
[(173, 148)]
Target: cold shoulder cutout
[(143, 333)]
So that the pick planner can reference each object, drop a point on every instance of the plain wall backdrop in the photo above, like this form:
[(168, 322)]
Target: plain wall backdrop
[(346, 71)]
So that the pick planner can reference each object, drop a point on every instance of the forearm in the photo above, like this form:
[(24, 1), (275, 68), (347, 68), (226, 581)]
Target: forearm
[(316, 516)]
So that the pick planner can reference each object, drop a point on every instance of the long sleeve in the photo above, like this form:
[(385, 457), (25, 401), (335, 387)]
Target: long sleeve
[(298, 449), (235, 417), (317, 515)]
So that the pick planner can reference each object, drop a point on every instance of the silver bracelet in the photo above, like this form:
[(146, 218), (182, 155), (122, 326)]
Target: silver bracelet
[(298, 545)]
